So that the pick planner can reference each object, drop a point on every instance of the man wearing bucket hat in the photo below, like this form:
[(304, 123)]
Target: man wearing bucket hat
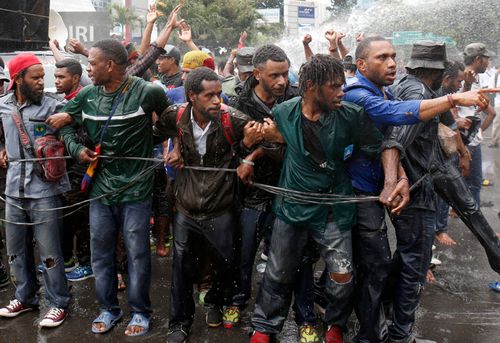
[(3, 78), (29, 197), (233, 84), (476, 60), (425, 158)]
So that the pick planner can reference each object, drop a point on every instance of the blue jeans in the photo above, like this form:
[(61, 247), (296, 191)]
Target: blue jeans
[(475, 178), (415, 235), (288, 244), (21, 253), (133, 219)]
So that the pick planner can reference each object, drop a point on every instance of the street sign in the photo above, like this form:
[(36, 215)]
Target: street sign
[(305, 12), (410, 37)]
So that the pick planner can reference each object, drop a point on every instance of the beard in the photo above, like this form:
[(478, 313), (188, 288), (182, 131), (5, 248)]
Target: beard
[(31, 95)]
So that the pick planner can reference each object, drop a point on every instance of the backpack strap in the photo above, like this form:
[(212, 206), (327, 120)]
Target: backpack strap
[(227, 126), (180, 112)]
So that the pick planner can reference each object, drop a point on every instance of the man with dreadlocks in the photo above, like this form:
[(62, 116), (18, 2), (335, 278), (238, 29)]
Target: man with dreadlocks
[(321, 132)]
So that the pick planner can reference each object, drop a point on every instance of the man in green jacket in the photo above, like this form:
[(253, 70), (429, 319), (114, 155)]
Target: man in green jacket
[(116, 113), (321, 133)]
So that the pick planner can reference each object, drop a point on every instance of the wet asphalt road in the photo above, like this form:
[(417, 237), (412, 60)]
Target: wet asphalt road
[(458, 308)]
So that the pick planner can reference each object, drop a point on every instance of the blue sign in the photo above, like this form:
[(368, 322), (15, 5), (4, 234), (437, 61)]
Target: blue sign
[(306, 12)]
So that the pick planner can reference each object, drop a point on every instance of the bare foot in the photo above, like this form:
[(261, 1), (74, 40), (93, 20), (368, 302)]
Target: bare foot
[(498, 235), (445, 239), (453, 214), (99, 327), (430, 277), (161, 250), (133, 330)]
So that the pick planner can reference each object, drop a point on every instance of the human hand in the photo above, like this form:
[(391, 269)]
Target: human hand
[(3, 158), (172, 21), (463, 123), (87, 156), (59, 120), (476, 97), (245, 173), (331, 36), (464, 163), (185, 33), (307, 39), (152, 14), (174, 157), (76, 47), (54, 44), (360, 36), (253, 133), (339, 37), (271, 132), (469, 76), (396, 195)]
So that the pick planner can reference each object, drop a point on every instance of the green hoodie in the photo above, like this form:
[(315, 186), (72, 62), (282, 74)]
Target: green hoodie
[(128, 134), (343, 131)]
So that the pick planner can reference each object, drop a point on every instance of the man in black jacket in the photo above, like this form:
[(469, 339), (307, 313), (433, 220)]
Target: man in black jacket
[(424, 157)]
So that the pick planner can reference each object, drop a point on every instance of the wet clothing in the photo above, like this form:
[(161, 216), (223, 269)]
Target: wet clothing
[(200, 194), (129, 134), (383, 110), (22, 180), (424, 156), (343, 131)]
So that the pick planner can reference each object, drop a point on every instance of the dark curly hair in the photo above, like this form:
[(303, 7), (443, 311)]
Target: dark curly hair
[(113, 50), (196, 77), (319, 70), (269, 52)]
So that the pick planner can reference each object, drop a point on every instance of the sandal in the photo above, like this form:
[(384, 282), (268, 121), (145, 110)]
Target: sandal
[(140, 320), (108, 319), (495, 286)]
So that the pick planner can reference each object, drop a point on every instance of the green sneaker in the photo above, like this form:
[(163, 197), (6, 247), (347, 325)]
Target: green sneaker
[(308, 334), (231, 317), (70, 265)]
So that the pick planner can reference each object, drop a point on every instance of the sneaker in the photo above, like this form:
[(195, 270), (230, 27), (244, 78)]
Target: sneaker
[(70, 265), (53, 318), (334, 335), (260, 337), (263, 257), (40, 268), (14, 309), (231, 317), (177, 334), (214, 317), (4, 277), (308, 334), (80, 273), (435, 261)]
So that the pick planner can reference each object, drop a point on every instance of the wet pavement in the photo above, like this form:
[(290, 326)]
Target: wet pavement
[(458, 308)]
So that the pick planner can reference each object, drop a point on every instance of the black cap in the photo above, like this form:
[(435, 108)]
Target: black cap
[(172, 51)]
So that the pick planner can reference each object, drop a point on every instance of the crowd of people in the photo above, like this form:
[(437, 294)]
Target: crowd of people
[(217, 159)]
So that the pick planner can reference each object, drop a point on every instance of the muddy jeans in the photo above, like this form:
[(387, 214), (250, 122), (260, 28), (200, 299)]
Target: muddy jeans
[(21, 252), (288, 244)]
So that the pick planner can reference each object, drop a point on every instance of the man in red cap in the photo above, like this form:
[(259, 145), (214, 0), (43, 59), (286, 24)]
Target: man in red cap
[(31, 200)]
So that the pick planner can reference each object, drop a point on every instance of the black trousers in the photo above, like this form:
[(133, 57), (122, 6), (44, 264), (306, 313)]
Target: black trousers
[(190, 235)]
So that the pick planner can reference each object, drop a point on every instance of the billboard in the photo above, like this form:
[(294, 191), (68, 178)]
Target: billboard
[(87, 27), (306, 12), (270, 15)]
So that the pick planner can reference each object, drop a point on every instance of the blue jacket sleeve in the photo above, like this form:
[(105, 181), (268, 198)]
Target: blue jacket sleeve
[(385, 112)]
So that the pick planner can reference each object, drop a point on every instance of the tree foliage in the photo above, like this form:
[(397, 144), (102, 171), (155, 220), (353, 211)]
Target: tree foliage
[(340, 7), (122, 16), (217, 23)]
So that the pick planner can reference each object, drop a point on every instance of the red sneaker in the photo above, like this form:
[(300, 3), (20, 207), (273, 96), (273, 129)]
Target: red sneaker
[(14, 309), (334, 335), (53, 318), (259, 337)]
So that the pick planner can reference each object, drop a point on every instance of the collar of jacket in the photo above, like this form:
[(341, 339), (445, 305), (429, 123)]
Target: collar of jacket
[(362, 82), (186, 125)]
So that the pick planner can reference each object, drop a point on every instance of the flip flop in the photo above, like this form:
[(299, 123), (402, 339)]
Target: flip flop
[(138, 319), (108, 319), (495, 286)]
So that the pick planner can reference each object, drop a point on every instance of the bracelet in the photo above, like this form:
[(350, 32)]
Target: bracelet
[(450, 100), (403, 178), (250, 163)]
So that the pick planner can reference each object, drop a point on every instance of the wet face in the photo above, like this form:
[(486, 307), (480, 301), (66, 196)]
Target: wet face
[(185, 72), (31, 85), (379, 64), (437, 79), (164, 64), (99, 68), (329, 95), (208, 101), (453, 84), (482, 64), (273, 77), (64, 81)]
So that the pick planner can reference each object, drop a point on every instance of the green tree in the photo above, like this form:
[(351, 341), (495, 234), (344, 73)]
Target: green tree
[(123, 16), (340, 7), (217, 23)]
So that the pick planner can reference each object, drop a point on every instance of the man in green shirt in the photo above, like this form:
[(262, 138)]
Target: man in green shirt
[(321, 133), (116, 113)]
